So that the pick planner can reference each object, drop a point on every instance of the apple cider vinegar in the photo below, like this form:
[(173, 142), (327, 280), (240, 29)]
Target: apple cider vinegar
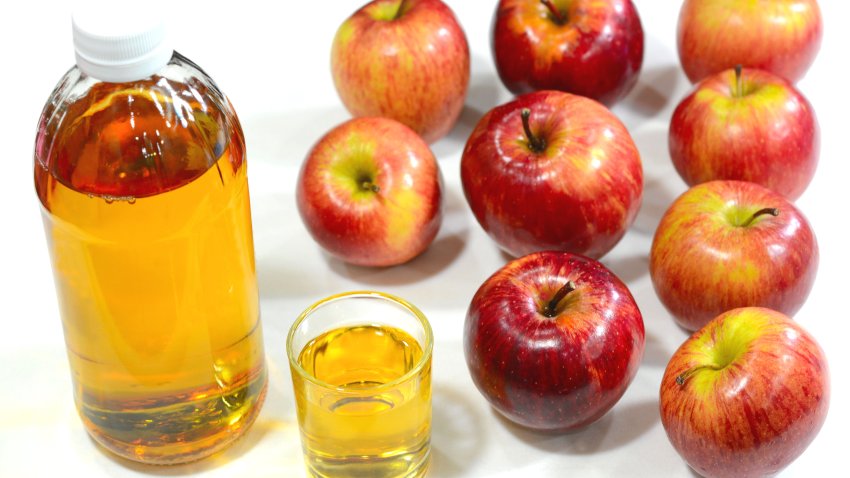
[(145, 203), (370, 410)]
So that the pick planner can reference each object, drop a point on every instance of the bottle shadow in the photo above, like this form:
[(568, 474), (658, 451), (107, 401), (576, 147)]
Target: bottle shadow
[(233, 452), (271, 421)]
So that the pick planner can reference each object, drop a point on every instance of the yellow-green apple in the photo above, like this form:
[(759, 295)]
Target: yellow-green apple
[(780, 36), (403, 59), (749, 125), (591, 48), (370, 192), (745, 395), (728, 244), (552, 340), (552, 171)]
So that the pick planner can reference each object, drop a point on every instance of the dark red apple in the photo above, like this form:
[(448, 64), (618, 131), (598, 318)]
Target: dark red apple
[(748, 125), (552, 340), (728, 244), (592, 48), (566, 176), (745, 395)]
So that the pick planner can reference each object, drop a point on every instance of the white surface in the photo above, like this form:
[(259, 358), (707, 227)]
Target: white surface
[(274, 66)]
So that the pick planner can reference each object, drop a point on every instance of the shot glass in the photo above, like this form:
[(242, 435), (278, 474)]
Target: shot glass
[(361, 372)]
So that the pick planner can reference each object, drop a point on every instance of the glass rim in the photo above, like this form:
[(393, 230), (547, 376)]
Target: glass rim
[(427, 349)]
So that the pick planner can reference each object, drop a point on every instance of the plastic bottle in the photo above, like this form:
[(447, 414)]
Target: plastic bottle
[(140, 169)]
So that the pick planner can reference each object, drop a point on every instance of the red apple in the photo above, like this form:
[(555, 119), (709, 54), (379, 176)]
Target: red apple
[(370, 192), (728, 244), (591, 48), (748, 125), (403, 59), (780, 36), (552, 340), (568, 177), (745, 395)]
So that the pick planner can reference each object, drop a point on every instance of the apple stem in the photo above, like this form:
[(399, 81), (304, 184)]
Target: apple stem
[(400, 10), (739, 83), (559, 17), (537, 144), (370, 186), (551, 309), (684, 376), (761, 212)]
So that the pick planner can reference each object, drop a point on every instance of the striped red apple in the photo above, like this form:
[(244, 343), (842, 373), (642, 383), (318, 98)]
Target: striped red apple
[(728, 244), (370, 192), (780, 36), (748, 125), (403, 59), (745, 395)]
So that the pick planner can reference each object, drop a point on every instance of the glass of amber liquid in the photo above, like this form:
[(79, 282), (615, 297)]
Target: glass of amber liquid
[(361, 371)]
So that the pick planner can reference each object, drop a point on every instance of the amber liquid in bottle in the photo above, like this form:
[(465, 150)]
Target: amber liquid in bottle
[(344, 428), (146, 210)]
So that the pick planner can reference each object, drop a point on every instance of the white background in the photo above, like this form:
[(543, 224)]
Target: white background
[(273, 62)]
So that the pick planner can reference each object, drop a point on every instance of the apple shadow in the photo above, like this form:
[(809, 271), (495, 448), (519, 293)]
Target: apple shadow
[(506, 256), (456, 437), (439, 255), (654, 91), (454, 142), (485, 88), (484, 92), (447, 246), (630, 268), (622, 425), (655, 354), (693, 472), (662, 183)]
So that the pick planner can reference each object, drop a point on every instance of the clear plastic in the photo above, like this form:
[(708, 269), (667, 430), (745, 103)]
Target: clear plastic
[(147, 216)]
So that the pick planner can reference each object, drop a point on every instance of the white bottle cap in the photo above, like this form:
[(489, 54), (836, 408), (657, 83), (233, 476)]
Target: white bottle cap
[(116, 44)]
